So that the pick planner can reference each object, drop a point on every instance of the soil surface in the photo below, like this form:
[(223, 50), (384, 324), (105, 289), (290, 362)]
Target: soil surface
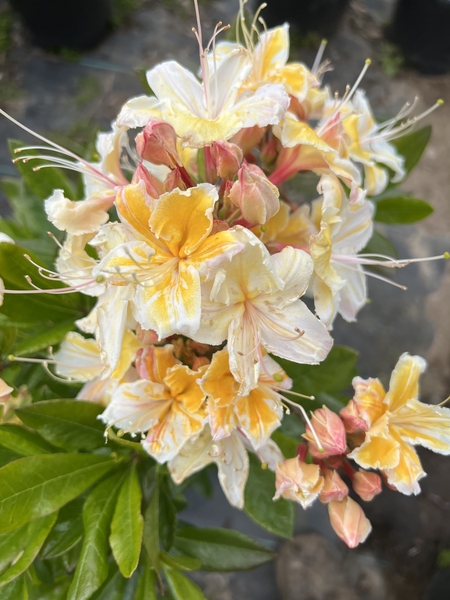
[(61, 97)]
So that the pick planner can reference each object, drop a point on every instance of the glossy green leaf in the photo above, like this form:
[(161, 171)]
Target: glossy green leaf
[(286, 443), (332, 375), (16, 590), (127, 525), (67, 424), (181, 587), (23, 441), (221, 549), (37, 532), (412, 146), (92, 568), (112, 589), (151, 528), (401, 210), (35, 486), (7, 456), (8, 335), (67, 532), (275, 516), (44, 181), (146, 586), (43, 339), (167, 520), (182, 563)]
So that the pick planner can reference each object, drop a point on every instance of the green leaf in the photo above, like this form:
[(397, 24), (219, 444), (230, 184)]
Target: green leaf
[(181, 587), (7, 456), (37, 532), (16, 590), (167, 519), (44, 181), (43, 339), (401, 210), (112, 589), (146, 586), (379, 244), (151, 528), (127, 525), (35, 486), (8, 335), (221, 549), (67, 424), (275, 516), (412, 146), (333, 374), (21, 440), (182, 563), (67, 531), (92, 568), (286, 444)]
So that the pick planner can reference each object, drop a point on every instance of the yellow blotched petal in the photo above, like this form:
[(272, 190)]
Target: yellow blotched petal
[(184, 219), (295, 77), (130, 346), (259, 414), (408, 472), (404, 383), (182, 382), (423, 424), (131, 204), (273, 50), (218, 382), (369, 397), (377, 453), (156, 361)]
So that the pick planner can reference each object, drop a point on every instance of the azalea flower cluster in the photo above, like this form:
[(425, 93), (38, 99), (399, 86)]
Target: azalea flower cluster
[(198, 266)]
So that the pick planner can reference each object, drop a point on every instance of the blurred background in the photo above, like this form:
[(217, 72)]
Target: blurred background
[(66, 68)]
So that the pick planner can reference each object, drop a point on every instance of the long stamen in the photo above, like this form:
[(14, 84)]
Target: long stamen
[(293, 393), (308, 421), (319, 55)]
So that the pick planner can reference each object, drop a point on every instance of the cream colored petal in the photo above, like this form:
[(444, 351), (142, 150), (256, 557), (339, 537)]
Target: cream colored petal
[(325, 302), (406, 475), (244, 353), (75, 266), (193, 456), (294, 333), (266, 106), (353, 296), (78, 358), (173, 83), (295, 268), (127, 263), (77, 218), (232, 462), (272, 51), (215, 320), (259, 414), (138, 111), (225, 83), (404, 383), (356, 228), (136, 407)]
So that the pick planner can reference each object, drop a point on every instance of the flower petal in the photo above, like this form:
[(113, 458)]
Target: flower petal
[(404, 383), (137, 111)]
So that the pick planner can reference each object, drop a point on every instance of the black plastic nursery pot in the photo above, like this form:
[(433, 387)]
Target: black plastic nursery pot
[(421, 28), (70, 24), (305, 16)]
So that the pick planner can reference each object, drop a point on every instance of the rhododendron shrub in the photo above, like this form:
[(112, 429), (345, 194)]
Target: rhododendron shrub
[(158, 335)]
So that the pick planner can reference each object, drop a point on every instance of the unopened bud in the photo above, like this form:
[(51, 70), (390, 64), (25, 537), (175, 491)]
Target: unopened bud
[(255, 195), (334, 488), (366, 484), (298, 481), (227, 159), (153, 186), (174, 180), (269, 151), (146, 337), (349, 522), (353, 421), (330, 431), (157, 143), (248, 138)]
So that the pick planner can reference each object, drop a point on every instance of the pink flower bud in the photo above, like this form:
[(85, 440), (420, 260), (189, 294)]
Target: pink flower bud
[(255, 195), (366, 484), (227, 159), (334, 488), (153, 186), (157, 143), (298, 481), (146, 337), (352, 418), (349, 522), (248, 138), (174, 180), (331, 433)]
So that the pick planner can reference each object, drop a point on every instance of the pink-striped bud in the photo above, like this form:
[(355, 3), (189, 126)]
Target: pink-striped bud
[(227, 159), (255, 195), (366, 484), (298, 481), (352, 418), (174, 180), (330, 431), (349, 522), (334, 488), (146, 337), (157, 143), (153, 186)]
